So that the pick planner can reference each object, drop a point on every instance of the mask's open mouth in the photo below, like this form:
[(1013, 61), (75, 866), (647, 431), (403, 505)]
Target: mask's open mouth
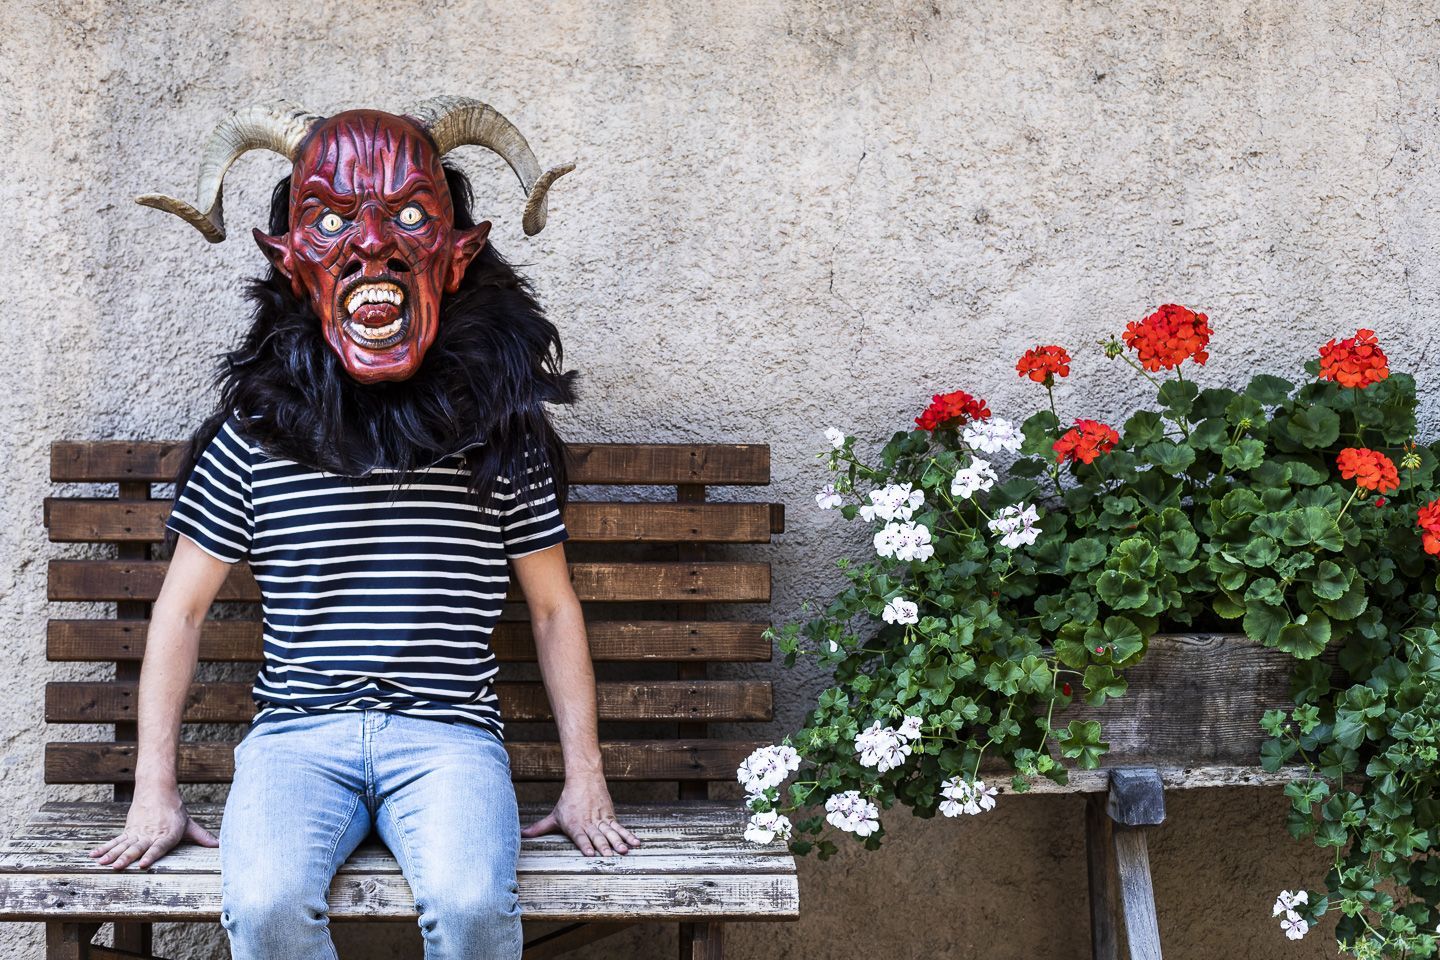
[(377, 313)]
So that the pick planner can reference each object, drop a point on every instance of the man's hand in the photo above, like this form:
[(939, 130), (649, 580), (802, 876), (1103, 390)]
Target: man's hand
[(154, 826), (585, 814)]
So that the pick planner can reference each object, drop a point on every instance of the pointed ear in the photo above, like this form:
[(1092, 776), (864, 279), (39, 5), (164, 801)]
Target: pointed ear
[(465, 247), (277, 251)]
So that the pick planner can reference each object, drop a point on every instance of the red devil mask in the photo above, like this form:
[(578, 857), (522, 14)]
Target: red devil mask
[(372, 243)]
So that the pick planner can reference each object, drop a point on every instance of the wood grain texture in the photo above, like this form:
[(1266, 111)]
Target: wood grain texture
[(720, 582), (1137, 893), (213, 761), (702, 941), (512, 641), (73, 520), (651, 464), (1105, 918), (734, 700)]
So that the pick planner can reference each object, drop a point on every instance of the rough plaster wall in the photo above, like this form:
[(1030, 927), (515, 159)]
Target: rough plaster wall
[(785, 216)]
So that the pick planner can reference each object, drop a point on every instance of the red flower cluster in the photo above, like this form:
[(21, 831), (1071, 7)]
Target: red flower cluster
[(1355, 361), (1169, 337), (1429, 522), (952, 410), (1044, 364), (1370, 469), (1085, 441)]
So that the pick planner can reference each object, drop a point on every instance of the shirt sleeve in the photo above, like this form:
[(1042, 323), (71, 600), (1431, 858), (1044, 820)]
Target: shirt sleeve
[(214, 508), (531, 520)]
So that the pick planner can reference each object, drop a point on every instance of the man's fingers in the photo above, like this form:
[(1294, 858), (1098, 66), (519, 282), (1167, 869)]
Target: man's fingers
[(601, 841), (582, 840), (630, 838), (539, 828), (116, 847), (154, 852), (128, 856), (107, 846), (613, 835), (197, 833)]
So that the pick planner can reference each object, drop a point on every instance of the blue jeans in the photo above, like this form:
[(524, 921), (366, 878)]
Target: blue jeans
[(309, 787)]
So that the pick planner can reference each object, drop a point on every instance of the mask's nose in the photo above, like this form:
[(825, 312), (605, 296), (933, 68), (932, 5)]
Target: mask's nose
[(375, 239)]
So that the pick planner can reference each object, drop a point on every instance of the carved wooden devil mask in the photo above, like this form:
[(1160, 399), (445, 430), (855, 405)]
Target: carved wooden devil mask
[(372, 243)]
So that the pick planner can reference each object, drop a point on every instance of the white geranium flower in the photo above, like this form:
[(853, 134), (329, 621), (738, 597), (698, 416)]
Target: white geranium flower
[(979, 475), (1294, 925), (1016, 525), (767, 827), (1289, 900), (767, 767), (835, 436), (962, 796), (881, 747), (894, 502), (910, 727), (904, 541), (993, 435), (828, 498), (900, 610), (852, 813)]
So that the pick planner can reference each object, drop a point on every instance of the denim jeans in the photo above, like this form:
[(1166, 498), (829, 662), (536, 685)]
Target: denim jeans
[(309, 787)]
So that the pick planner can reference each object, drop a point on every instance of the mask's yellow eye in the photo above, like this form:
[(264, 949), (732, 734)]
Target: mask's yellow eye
[(331, 223), (412, 216)]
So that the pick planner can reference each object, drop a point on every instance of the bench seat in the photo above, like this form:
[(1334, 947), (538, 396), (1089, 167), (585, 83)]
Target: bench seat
[(692, 864)]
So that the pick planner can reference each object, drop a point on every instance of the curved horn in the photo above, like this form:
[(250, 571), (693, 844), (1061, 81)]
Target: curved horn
[(456, 121), (279, 126)]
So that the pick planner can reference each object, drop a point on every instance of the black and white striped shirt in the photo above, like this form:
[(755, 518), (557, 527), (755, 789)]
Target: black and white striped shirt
[(374, 594)]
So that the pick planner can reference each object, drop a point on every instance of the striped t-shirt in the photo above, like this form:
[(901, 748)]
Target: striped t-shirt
[(374, 594)]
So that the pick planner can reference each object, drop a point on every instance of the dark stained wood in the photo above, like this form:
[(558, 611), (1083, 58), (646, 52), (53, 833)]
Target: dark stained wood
[(69, 941), (1137, 798), (1104, 883), (720, 582), (702, 941), (571, 937), (732, 700), (651, 464), (610, 640), (213, 761), (143, 521)]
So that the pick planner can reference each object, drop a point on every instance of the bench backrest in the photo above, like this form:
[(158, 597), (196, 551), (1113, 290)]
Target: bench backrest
[(640, 568)]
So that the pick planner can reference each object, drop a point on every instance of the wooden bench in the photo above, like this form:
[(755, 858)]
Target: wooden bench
[(641, 570)]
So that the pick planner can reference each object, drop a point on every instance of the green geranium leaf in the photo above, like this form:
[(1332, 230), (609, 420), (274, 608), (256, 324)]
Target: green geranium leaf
[(1102, 682), (1084, 554), (1245, 454), (1316, 426), (1313, 527), (1306, 636), (1269, 390)]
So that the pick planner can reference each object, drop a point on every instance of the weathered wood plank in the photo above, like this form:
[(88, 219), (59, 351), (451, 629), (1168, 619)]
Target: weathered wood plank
[(196, 897), (734, 700), (378, 861), (610, 640), (719, 582), (68, 941), (213, 761), (1137, 894), (1194, 701), (702, 941), (72, 520), (689, 822), (656, 464), (557, 943), (1105, 918)]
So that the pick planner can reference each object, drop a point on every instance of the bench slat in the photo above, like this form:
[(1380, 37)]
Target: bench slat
[(213, 761), (110, 461), (143, 521), (720, 582), (152, 897), (698, 700), (231, 641), (691, 822)]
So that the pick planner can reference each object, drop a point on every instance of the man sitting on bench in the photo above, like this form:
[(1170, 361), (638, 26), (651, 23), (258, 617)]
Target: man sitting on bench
[(380, 456)]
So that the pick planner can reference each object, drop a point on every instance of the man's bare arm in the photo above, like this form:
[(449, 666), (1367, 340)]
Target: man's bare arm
[(157, 820), (584, 812)]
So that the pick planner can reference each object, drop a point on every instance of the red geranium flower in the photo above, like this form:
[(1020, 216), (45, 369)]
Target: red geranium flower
[(1355, 361), (1085, 441), (1169, 337), (1370, 469), (952, 410), (1429, 522), (1044, 364)]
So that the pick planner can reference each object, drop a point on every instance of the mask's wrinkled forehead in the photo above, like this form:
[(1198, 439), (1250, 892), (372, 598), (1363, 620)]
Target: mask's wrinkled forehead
[(367, 154)]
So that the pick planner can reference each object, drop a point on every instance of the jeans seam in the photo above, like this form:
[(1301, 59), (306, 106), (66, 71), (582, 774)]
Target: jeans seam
[(402, 830)]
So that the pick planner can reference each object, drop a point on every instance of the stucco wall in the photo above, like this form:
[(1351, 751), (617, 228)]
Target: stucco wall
[(786, 216)]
